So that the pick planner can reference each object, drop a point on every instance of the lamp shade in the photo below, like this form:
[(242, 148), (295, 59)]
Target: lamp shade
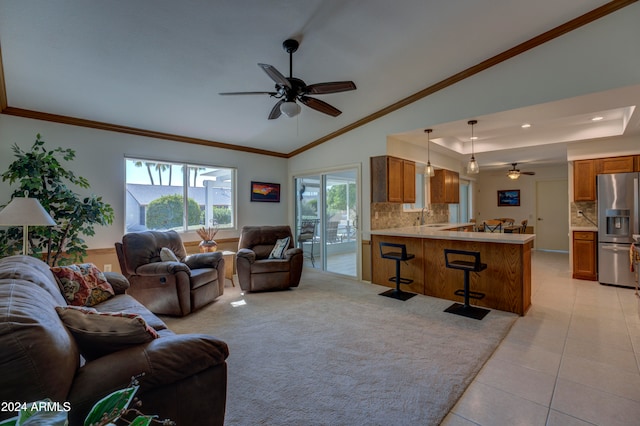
[(290, 109), (25, 211)]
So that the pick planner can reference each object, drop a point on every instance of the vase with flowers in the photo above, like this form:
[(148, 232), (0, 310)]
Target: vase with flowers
[(208, 244)]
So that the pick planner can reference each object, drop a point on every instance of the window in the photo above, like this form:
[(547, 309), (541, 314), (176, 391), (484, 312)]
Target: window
[(162, 195)]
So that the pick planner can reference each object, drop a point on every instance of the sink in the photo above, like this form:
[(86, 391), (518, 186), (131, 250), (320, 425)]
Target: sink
[(433, 226)]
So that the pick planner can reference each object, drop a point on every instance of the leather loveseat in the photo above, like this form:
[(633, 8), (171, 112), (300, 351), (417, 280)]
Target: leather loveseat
[(185, 376)]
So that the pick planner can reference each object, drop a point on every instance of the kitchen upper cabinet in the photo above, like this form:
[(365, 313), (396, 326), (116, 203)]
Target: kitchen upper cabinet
[(584, 255), (409, 181), (393, 180), (445, 187), (637, 166), (615, 165), (584, 180)]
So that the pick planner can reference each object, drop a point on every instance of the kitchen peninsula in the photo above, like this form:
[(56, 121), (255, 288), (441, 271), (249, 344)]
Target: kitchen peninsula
[(506, 282)]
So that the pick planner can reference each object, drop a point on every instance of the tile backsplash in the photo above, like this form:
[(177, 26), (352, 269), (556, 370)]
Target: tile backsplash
[(392, 215), (590, 210)]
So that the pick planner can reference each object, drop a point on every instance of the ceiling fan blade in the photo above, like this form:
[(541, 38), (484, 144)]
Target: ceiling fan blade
[(275, 75), (330, 87), (275, 111), (321, 106), (528, 173), (247, 93)]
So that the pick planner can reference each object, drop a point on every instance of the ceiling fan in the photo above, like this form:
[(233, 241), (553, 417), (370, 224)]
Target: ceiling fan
[(514, 173), (289, 89)]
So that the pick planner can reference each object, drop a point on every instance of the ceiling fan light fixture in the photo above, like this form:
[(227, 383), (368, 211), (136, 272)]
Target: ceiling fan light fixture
[(513, 174), (290, 109), (472, 165)]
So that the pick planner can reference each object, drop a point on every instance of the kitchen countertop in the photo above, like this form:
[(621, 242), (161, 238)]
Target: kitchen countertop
[(585, 228), (439, 231)]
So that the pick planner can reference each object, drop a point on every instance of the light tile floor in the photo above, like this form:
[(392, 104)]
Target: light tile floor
[(574, 359)]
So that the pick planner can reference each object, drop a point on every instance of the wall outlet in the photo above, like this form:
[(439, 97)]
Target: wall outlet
[(580, 214), (107, 267)]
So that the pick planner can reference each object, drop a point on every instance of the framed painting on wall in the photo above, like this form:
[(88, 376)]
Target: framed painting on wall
[(509, 197), (264, 191)]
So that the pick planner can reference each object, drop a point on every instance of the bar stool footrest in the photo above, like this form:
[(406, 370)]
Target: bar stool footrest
[(402, 280), (472, 294)]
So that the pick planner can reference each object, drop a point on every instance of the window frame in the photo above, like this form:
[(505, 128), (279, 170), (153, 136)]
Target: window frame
[(187, 165)]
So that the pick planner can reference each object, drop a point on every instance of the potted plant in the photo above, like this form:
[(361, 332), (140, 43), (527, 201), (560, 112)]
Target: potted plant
[(40, 172), (207, 234)]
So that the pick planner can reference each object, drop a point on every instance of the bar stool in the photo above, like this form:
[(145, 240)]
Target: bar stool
[(467, 266), (397, 256)]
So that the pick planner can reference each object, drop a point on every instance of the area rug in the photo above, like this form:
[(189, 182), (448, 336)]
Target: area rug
[(334, 352)]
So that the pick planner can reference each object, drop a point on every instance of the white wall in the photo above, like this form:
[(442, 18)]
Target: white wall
[(604, 147), (100, 158), (489, 182)]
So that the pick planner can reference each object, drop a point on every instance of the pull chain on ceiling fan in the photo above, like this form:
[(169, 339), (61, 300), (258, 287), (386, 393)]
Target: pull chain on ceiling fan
[(291, 89)]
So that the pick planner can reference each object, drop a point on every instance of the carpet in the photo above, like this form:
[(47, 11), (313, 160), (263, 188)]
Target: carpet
[(334, 352)]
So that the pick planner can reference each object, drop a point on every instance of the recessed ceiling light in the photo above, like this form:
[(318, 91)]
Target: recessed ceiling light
[(526, 125), (598, 118), (473, 138)]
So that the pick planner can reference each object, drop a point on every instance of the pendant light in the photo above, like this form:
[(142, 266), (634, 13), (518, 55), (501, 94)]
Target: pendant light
[(472, 166), (429, 170)]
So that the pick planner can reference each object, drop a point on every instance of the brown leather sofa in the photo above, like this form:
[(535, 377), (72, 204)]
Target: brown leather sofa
[(169, 288), (256, 271), (185, 376)]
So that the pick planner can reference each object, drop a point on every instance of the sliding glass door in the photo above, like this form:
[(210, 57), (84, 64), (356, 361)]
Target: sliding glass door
[(327, 212)]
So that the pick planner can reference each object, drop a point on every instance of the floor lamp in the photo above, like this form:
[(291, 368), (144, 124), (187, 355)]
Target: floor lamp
[(25, 212)]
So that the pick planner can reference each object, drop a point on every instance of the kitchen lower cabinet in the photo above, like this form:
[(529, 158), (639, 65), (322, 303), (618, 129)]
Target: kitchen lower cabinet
[(585, 265)]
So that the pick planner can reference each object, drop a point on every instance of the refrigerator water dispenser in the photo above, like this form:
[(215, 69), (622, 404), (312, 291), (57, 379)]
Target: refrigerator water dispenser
[(617, 221)]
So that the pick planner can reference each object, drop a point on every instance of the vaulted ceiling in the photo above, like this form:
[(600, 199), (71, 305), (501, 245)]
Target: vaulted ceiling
[(156, 67)]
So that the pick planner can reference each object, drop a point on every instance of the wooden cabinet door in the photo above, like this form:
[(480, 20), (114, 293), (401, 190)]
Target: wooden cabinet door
[(409, 181), (452, 187), (445, 187), (393, 180), (584, 180), (395, 177), (584, 255), (436, 187), (637, 164), (615, 165)]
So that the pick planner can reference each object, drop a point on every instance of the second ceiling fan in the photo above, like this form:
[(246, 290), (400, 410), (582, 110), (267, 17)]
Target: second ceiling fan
[(514, 173), (291, 89)]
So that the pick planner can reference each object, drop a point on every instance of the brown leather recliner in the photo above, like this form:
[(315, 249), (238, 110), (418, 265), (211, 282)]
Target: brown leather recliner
[(256, 271), (169, 288)]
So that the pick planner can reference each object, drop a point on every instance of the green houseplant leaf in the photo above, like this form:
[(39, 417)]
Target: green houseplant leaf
[(111, 406)]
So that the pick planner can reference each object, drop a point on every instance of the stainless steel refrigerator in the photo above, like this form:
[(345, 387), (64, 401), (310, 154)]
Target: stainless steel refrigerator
[(618, 220)]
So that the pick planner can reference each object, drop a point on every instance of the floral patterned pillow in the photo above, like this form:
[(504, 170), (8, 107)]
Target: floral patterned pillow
[(82, 284)]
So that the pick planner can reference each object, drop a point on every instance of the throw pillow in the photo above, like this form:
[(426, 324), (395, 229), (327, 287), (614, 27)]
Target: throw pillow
[(279, 249), (101, 333), (166, 255), (83, 284)]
